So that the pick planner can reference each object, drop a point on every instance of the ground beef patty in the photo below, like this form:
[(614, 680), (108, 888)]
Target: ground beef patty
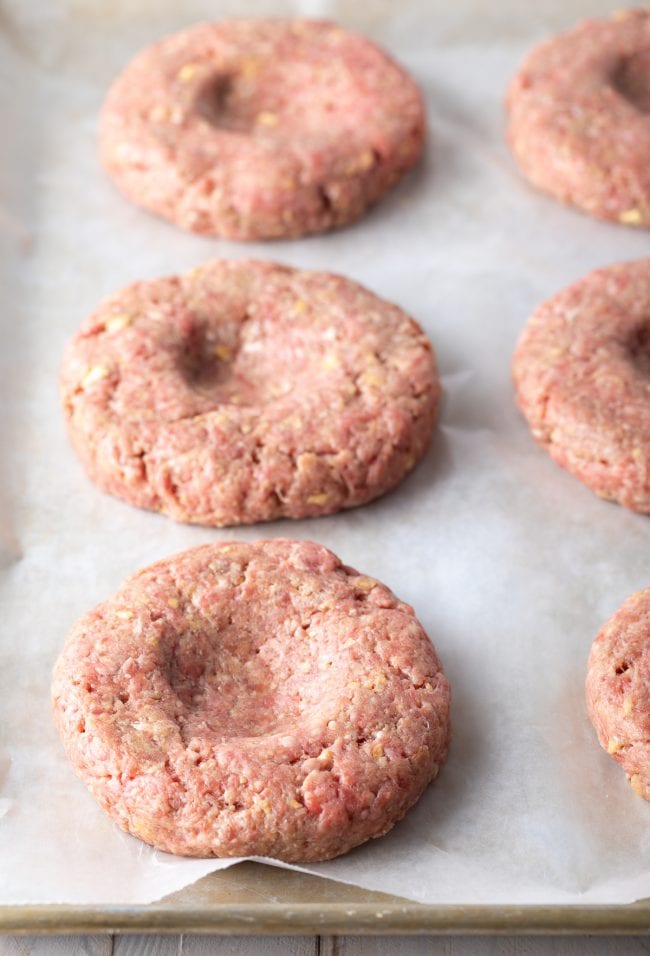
[(254, 129), (582, 376), (246, 391), (252, 699), (618, 689), (579, 117)]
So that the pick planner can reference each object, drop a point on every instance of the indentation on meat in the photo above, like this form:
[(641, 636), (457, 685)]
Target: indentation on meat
[(631, 79), (213, 103), (639, 347)]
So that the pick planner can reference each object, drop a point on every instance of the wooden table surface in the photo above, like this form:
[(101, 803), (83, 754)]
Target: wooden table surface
[(321, 945)]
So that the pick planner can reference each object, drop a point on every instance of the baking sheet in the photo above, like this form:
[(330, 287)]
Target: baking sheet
[(511, 564)]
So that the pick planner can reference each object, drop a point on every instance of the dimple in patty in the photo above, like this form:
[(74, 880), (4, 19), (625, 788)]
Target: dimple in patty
[(631, 79)]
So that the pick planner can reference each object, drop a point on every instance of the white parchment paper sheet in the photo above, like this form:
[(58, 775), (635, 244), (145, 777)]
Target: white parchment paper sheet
[(511, 564)]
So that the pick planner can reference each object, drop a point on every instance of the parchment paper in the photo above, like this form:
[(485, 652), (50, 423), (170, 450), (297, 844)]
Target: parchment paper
[(511, 564)]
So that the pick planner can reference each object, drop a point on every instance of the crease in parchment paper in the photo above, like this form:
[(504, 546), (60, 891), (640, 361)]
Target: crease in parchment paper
[(510, 563)]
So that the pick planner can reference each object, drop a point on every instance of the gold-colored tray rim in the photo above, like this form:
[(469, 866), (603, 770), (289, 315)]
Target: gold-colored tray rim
[(251, 900)]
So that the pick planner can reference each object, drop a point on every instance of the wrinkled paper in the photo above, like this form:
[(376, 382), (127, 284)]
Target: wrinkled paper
[(512, 565)]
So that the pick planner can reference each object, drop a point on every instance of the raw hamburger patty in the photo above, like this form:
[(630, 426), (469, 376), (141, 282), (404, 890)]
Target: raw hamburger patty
[(579, 117), (254, 129), (252, 699), (618, 689), (245, 391), (582, 377)]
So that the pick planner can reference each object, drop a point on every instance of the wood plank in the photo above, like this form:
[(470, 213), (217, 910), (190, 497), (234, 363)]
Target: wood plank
[(485, 946), (132, 945), (56, 945), (148, 945), (249, 946)]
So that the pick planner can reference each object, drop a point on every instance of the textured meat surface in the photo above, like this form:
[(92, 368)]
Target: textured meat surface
[(618, 689), (246, 391), (579, 117), (255, 129), (582, 377), (252, 698)]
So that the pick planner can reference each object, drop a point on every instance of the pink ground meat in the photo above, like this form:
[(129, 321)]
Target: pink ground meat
[(245, 391), (618, 689), (252, 699), (579, 117), (255, 129), (582, 377)]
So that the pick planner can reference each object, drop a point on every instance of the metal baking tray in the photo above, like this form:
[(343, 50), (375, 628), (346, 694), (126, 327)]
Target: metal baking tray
[(251, 898)]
